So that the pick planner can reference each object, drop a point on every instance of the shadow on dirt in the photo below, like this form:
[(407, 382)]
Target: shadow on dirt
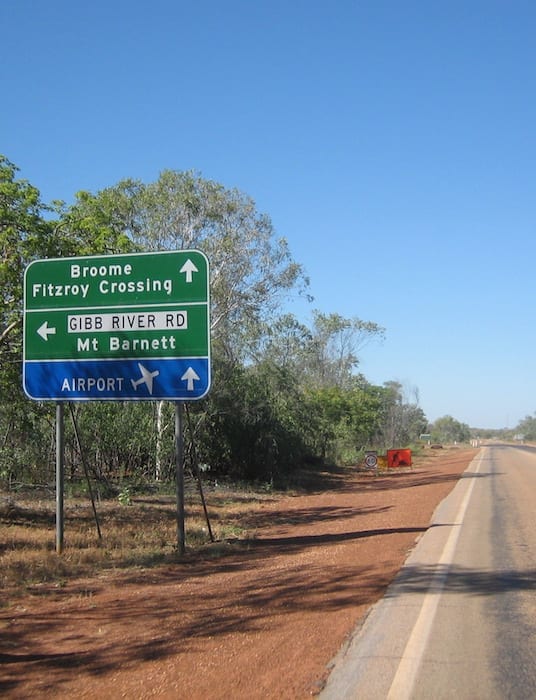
[(174, 620), (88, 624)]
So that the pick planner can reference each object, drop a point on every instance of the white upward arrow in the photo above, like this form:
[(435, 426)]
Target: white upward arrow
[(44, 331), (190, 376), (189, 268)]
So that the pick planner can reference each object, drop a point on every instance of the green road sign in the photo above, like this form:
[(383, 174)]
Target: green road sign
[(117, 327)]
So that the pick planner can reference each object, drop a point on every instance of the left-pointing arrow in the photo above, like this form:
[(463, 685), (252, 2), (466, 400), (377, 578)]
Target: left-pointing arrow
[(44, 331)]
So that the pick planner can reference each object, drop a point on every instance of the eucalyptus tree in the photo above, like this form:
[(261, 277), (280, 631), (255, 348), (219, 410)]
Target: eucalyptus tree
[(403, 420), (527, 427), (251, 270), (337, 410), (323, 355), (449, 430), (333, 353)]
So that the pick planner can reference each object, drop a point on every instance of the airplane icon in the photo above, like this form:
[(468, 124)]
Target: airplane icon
[(146, 378)]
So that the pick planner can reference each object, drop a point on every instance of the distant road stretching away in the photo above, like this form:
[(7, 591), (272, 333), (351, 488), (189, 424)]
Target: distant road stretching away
[(460, 619)]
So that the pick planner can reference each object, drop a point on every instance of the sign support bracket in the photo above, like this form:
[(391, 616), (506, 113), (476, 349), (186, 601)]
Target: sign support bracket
[(86, 471)]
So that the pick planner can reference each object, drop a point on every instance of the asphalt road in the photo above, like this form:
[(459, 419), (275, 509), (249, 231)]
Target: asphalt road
[(460, 619)]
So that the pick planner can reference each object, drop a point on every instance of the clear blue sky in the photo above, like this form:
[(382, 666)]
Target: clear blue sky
[(392, 143)]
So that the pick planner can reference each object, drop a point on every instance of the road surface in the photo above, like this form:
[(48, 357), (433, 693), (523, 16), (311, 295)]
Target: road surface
[(460, 619)]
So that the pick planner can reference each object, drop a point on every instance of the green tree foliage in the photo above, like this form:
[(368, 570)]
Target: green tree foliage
[(325, 355), (29, 230), (253, 426), (251, 269), (527, 428), (23, 235), (343, 422), (125, 444), (283, 393), (332, 354), (448, 430), (403, 419), (95, 225)]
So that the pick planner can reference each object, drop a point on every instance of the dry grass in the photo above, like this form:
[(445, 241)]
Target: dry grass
[(139, 534), (137, 531)]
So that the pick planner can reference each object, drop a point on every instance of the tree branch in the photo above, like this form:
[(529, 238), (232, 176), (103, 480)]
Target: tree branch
[(8, 330)]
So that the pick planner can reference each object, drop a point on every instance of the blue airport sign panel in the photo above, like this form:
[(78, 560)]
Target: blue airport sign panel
[(117, 327)]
